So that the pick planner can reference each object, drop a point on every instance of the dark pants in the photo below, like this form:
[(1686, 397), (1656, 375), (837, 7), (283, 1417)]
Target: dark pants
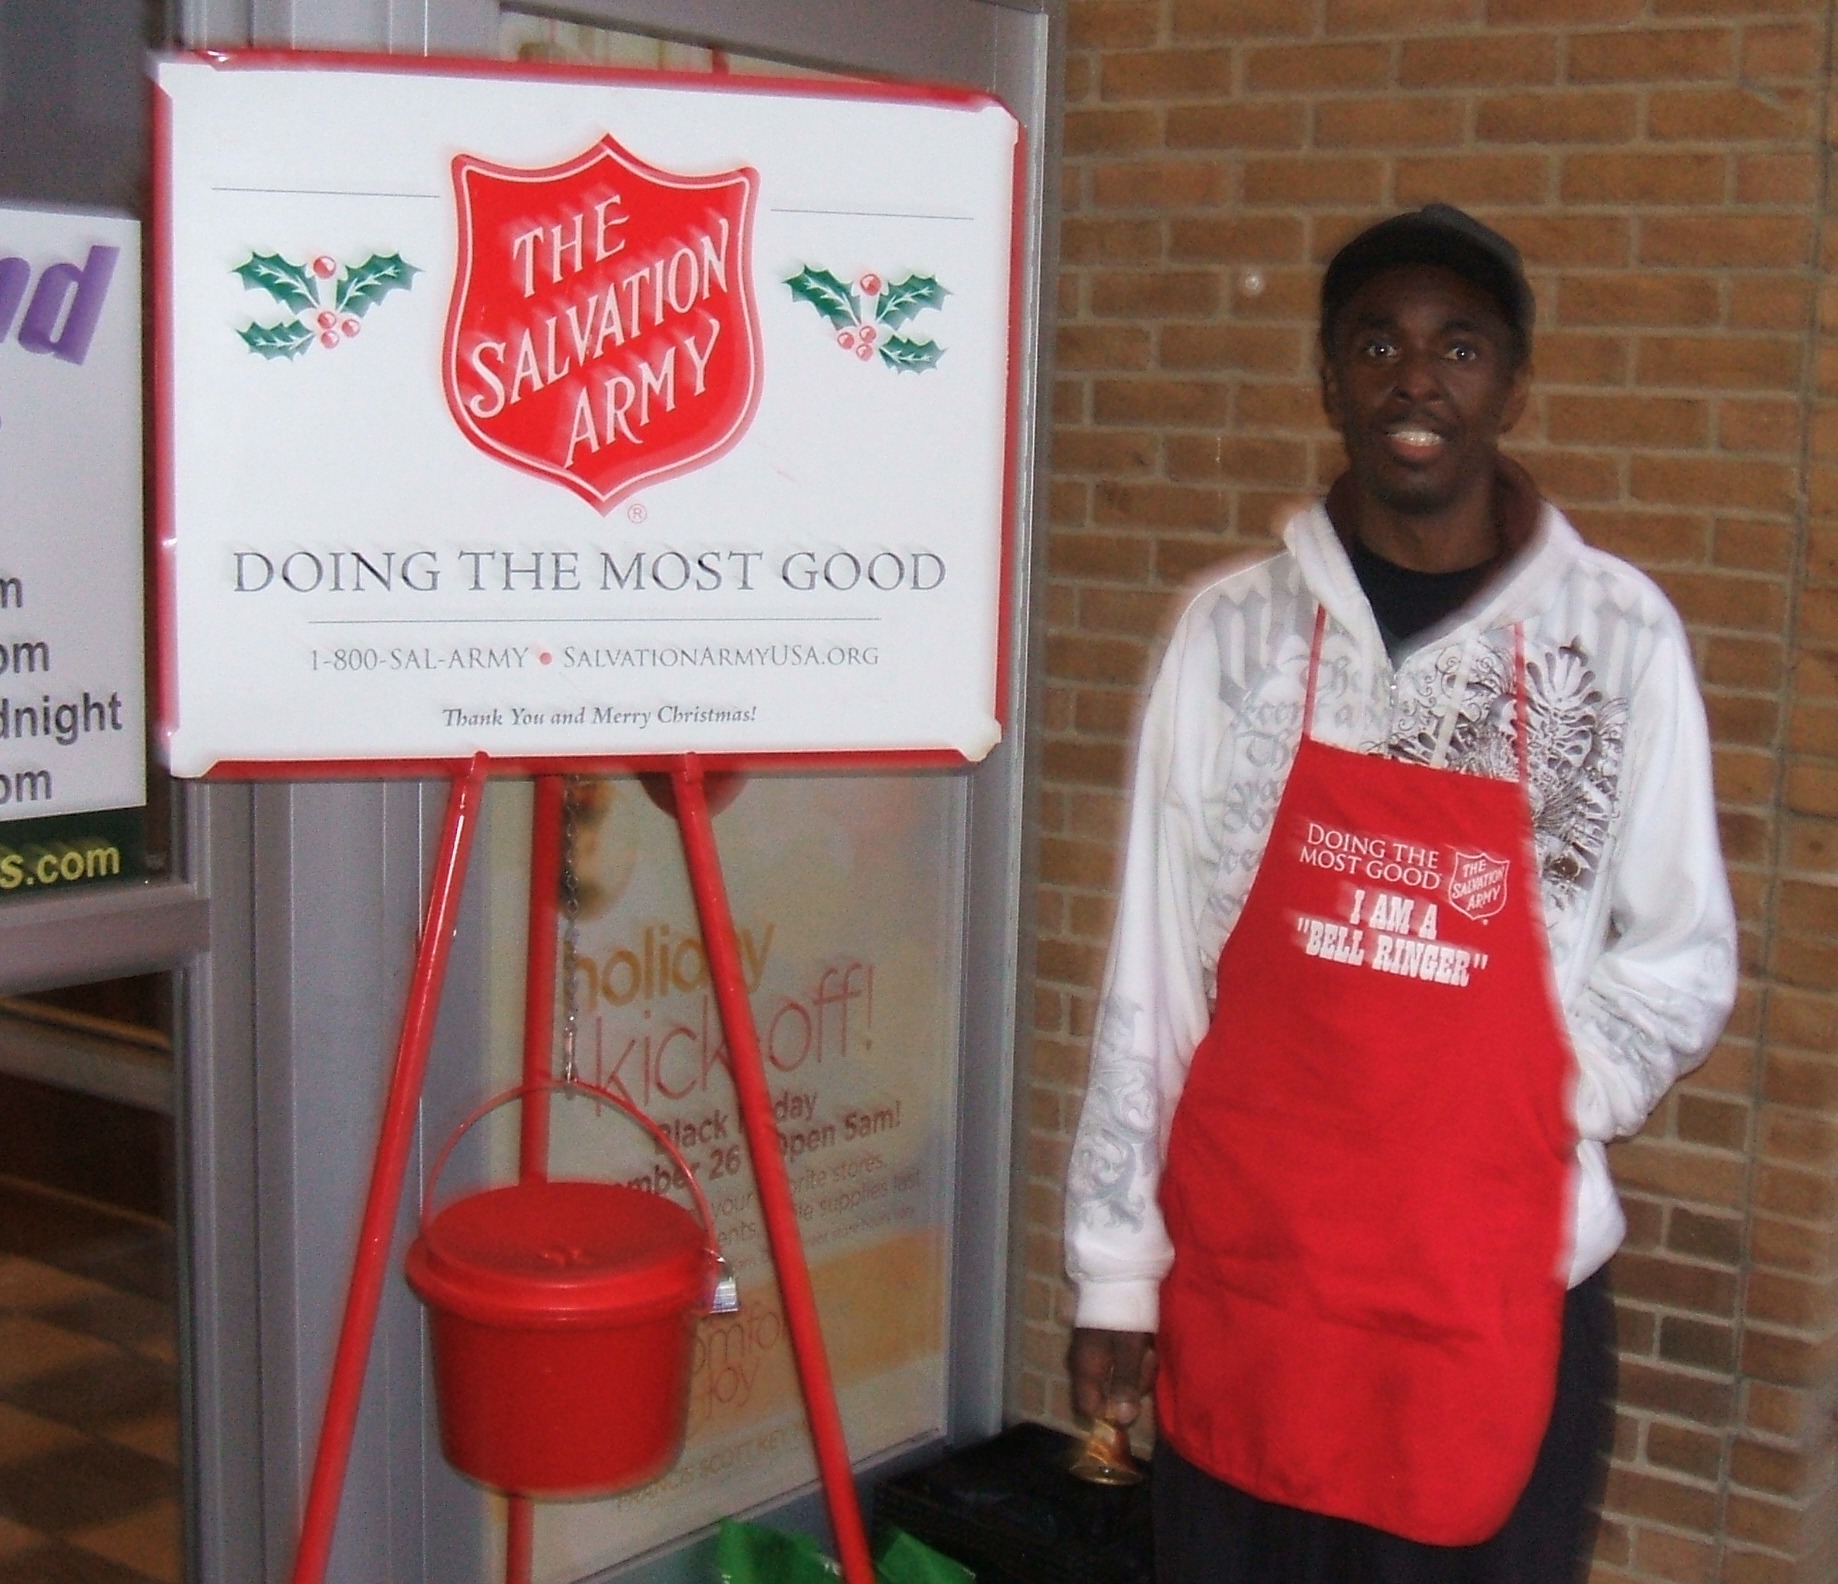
[(1208, 1532)]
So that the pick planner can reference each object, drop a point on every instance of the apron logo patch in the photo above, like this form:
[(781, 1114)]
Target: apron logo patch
[(1477, 884)]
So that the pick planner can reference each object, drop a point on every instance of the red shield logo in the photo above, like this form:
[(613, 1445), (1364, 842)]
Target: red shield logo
[(1477, 884), (602, 331)]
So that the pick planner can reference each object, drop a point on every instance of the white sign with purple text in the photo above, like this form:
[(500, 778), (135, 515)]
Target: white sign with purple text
[(72, 673)]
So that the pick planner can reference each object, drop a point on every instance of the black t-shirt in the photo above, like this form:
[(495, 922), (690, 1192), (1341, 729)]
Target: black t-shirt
[(1408, 602)]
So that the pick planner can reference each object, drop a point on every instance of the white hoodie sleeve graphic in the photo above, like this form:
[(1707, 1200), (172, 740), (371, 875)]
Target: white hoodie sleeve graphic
[(1656, 994)]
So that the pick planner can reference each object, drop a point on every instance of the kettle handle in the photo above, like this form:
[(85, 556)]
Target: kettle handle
[(722, 1298)]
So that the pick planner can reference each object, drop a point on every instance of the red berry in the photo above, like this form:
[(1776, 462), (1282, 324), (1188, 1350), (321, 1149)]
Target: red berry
[(325, 266), (869, 333), (326, 319), (845, 339), (864, 351), (349, 328), (871, 284), (329, 339)]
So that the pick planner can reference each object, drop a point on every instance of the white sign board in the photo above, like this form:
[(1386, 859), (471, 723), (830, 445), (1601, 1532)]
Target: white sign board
[(579, 414), (72, 680)]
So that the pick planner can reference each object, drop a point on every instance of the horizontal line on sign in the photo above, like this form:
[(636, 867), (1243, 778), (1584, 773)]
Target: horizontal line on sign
[(330, 192), (874, 214), (573, 621)]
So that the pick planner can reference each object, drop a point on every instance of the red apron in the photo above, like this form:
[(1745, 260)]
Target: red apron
[(1367, 1180)]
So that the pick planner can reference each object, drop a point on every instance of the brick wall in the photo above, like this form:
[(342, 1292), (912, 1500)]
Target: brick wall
[(1663, 165)]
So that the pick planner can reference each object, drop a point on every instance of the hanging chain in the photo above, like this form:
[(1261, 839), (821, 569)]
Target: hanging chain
[(724, 1291), (571, 931)]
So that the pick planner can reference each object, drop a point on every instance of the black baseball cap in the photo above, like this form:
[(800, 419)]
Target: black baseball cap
[(1440, 234)]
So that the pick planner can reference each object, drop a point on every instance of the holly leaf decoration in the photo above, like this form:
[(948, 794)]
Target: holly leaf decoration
[(285, 340), (362, 286), (291, 285), (828, 295), (900, 353), (901, 301)]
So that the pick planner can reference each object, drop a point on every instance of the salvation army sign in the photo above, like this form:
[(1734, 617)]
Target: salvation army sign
[(614, 344), (578, 414)]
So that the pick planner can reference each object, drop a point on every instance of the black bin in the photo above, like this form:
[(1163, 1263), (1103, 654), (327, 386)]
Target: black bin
[(1011, 1513)]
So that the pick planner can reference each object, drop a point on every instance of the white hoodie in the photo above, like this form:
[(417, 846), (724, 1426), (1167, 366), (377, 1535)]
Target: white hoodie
[(1636, 903)]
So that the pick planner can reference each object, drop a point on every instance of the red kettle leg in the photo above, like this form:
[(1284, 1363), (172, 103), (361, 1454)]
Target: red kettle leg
[(371, 1264), (755, 1103)]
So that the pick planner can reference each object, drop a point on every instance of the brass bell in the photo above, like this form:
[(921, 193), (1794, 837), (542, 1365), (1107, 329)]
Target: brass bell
[(1105, 1458)]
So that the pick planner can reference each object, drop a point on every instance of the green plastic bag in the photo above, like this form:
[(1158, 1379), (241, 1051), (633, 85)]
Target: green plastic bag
[(904, 1560), (753, 1554)]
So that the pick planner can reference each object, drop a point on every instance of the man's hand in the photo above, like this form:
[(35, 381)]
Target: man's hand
[(1110, 1372)]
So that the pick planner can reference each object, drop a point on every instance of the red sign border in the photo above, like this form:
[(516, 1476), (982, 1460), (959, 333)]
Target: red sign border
[(162, 524)]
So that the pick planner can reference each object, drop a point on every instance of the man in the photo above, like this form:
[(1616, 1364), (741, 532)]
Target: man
[(1422, 905)]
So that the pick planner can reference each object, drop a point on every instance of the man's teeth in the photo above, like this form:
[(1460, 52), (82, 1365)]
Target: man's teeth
[(1417, 436)]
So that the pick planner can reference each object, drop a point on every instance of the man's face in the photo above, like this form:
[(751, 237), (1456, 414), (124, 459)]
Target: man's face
[(1421, 381)]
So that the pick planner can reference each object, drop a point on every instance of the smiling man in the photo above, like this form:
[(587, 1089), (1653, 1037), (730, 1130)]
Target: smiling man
[(1422, 906)]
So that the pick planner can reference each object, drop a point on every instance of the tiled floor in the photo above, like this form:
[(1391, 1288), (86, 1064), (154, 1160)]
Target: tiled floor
[(89, 1477)]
